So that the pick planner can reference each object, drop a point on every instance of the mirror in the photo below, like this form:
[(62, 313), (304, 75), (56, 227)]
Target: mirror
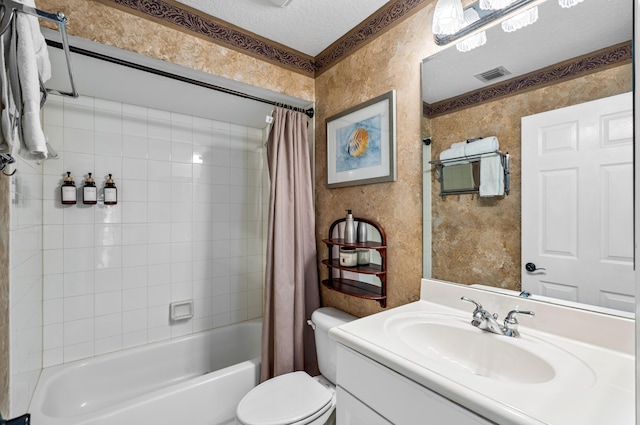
[(568, 57)]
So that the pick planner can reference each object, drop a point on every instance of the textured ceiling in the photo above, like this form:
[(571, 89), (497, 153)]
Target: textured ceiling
[(308, 26)]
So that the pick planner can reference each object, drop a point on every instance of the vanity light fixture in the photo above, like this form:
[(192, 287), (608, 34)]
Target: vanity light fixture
[(568, 3), (494, 4), (521, 20), (480, 39), (514, 15), (448, 17)]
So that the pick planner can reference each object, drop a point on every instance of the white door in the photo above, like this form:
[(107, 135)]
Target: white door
[(577, 203)]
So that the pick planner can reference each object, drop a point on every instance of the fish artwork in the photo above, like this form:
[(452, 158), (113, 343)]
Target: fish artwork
[(358, 142)]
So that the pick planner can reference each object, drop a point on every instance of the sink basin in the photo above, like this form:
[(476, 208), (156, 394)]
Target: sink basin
[(451, 342)]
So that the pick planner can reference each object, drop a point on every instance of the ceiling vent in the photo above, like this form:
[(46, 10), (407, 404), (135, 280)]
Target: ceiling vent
[(281, 3), (492, 74)]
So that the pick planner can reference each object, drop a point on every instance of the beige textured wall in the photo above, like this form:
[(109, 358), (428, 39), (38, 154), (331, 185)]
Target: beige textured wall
[(390, 62), (478, 240), (97, 22)]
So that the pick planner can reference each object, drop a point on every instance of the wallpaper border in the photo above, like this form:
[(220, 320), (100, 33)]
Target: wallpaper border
[(184, 18), (577, 67)]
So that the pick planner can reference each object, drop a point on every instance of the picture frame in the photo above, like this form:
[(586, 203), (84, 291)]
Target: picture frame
[(361, 143)]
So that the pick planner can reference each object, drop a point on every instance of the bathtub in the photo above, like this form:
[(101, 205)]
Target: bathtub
[(198, 379)]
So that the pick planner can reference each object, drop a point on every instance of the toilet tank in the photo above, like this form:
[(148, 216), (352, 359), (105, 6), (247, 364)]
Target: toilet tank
[(324, 319)]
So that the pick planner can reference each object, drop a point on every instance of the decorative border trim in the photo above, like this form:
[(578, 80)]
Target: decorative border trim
[(577, 67), (381, 21), (184, 18)]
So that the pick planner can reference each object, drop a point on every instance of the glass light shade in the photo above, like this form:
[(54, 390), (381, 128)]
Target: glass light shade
[(568, 3), (448, 17), (494, 4), (521, 20), (470, 43)]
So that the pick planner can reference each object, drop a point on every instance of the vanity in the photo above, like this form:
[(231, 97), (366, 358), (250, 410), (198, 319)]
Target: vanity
[(424, 362)]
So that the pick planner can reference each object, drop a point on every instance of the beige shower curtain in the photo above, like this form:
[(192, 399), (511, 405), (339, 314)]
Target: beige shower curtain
[(291, 290)]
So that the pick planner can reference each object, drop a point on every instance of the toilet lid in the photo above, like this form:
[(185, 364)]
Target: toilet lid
[(283, 400)]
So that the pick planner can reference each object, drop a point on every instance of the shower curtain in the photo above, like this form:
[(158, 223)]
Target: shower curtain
[(291, 281)]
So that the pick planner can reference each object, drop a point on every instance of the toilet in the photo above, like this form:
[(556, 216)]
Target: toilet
[(296, 398)]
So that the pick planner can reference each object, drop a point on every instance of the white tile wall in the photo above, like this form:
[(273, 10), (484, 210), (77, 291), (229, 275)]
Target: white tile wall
[(189, 224), (26, 282)]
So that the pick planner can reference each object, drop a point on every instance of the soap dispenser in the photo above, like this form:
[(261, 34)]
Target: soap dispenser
[(89, 191), (349, 229), (110, 192), (68, 191)]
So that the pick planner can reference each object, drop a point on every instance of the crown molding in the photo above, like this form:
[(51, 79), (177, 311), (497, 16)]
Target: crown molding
[(192, 21)]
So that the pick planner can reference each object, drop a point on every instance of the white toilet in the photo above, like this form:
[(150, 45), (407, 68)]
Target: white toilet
[(296, 398)]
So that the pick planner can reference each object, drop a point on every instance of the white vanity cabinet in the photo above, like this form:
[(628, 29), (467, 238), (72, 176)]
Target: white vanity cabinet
[(372, 394)]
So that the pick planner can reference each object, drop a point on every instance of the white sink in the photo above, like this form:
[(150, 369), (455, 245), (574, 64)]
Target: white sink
[(452, 343), (564, 357)]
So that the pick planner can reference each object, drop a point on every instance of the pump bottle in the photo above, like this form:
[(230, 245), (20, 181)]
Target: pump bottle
[(349, 229)]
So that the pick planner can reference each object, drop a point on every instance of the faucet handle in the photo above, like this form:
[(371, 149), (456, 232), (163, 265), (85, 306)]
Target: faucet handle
[(511, 323), (511, 317), (477, 304), (479, 314)]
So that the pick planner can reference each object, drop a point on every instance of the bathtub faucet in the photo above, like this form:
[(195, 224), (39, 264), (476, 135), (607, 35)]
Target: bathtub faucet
[(486, 321)]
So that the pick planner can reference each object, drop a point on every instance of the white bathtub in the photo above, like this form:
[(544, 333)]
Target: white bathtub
[(197, 379)]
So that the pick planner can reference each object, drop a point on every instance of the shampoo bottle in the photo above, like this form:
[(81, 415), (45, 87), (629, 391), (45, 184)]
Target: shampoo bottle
[(110, 192), (349, 229), (89, 191), (68, 192)]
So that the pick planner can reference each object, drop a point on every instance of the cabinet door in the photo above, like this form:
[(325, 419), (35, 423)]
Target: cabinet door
[(397, 398), (351, 411)]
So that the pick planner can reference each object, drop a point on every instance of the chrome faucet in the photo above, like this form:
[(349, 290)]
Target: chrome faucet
[(486, 321)]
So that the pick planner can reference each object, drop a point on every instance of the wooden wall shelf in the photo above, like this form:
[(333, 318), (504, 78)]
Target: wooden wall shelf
[(351, 283)]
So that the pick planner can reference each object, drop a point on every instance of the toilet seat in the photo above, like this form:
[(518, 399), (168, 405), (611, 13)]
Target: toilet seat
[(290, 399)]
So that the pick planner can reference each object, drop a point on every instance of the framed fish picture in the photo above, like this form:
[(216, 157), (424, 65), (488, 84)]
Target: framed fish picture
[(361, 143)]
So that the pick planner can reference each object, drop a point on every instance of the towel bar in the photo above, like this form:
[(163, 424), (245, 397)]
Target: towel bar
[(9, 7), (440, 164)]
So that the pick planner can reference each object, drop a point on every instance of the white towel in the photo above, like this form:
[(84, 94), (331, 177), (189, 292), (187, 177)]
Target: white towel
[(9, 114), (27, 64), (454, 152), (485, 145), (491, 175), (463, 149)]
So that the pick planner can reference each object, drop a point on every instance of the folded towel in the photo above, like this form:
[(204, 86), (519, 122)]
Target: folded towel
[(485, 145), (27, 68), (461, 150), (9, 115), (33, 67), (491, 175), (453, 153)]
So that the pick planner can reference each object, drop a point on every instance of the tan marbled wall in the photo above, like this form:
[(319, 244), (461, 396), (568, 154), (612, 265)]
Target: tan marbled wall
[(97, 22), (390, 62), (478, 240)]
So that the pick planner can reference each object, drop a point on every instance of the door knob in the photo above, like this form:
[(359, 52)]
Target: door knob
[(532, 267)]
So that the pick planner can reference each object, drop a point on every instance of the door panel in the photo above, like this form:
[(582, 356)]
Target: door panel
[(577, 203)]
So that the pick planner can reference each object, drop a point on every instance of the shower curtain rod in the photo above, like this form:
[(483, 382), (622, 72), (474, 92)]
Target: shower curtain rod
[(309, 112)]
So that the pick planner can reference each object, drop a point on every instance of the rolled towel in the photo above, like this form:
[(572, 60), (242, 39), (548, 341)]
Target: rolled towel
[(485, 145), (453, 153)]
